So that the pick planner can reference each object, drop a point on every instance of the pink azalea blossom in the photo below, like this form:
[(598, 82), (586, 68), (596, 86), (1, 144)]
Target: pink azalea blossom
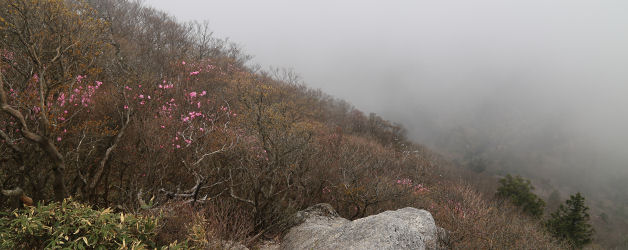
[(61, 99), (194, 73)]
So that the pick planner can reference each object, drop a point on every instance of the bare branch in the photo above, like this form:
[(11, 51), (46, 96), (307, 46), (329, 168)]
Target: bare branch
[(224, 148), (105, 159), (60, 52), (13, 192), (12, 145), (233, 195), (140, 200)]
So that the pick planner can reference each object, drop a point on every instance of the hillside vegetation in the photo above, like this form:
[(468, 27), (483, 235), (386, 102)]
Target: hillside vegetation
[(120, 106)]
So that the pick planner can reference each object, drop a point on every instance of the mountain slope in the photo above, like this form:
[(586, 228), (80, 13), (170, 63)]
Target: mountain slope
[(118, 105)]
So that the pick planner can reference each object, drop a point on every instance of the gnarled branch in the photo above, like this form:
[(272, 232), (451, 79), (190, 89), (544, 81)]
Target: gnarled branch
[(101, 167), (43, 142)]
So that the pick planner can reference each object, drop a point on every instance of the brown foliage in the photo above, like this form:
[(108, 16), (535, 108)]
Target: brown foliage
[(474, 222)]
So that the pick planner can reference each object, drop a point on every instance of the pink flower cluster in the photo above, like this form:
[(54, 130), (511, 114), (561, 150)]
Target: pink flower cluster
[(418, 188), (166, 86), (188, 118), (84, 95), (194, 94), (191, 116), (12, 93), (405, 181), (199, 67), (166, 109), (457, 208), (8, 55)]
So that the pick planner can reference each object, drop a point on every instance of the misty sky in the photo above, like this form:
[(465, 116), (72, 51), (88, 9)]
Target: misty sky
[(433, 64)]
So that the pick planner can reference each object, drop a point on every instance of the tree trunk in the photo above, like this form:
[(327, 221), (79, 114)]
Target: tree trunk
[(44, 143)]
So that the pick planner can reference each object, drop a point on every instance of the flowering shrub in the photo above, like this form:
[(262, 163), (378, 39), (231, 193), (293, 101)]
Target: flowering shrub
[(417, 189)]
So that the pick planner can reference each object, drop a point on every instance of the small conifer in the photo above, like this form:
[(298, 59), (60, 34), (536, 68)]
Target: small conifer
[(570, 222)]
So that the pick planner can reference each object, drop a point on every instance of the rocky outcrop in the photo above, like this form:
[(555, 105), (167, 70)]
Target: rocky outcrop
[(320, 227)]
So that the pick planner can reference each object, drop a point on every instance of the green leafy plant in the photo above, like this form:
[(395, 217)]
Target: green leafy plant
[(72, 225)]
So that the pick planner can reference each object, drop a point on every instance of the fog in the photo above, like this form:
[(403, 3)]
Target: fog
[(544, 79)]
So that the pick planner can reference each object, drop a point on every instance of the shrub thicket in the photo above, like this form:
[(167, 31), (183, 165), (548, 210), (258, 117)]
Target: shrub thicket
[(72, 225)]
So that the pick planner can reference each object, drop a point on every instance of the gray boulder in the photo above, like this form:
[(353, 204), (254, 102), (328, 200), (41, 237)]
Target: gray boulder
[(320, 227)]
